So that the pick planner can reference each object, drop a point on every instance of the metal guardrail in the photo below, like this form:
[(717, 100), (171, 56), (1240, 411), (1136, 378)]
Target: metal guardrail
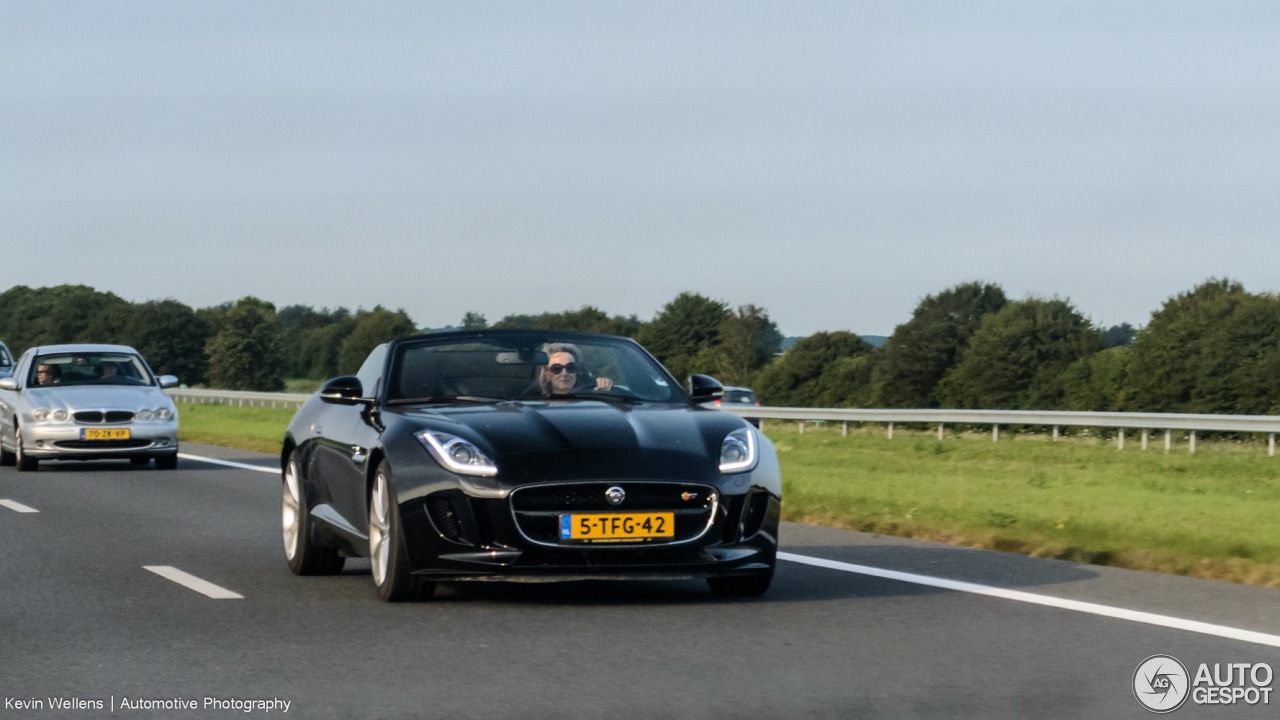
[(238, 397), (1145, 422), (1056, 419)]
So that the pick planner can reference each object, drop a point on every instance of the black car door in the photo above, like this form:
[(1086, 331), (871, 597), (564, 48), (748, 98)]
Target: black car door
[(342, 448)]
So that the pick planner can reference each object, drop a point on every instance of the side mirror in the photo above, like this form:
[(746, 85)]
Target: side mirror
[(704, 388), (168, 381), (343, 390), (8, 384)]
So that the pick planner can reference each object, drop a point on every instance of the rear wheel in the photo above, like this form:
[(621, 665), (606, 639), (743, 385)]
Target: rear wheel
[(388, 554), (25, 462), (167, 462), (304, 557)]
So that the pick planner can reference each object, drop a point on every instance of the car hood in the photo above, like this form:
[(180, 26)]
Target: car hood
[(582, 438), (96, 397)]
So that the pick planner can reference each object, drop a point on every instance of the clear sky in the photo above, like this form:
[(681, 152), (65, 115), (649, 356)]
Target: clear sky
[(831, 161)]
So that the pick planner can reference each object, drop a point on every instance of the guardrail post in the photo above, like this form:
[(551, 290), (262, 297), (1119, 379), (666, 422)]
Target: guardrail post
[(1168, 439), (939, 431), (761, 424), (995, 433), (1273, 437), (801, 427), (844, 429), (1271, 445), (1193, 441), (1145, 433), (1055, 433), (1121, 442)]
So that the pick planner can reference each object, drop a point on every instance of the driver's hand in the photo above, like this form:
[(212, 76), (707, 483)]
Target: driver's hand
[(604, 384)]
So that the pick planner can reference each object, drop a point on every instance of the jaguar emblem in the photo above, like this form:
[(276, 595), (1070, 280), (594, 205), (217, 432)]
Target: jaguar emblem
[(615, 495)]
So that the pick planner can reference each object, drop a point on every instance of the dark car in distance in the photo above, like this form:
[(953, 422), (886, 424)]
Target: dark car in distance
[(526, 455), (738, 397)]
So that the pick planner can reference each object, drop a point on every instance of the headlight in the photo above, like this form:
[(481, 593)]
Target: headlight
[(163, 414), (41, 414), (60, 416), (143, 415), (738, 451), (457, 454)]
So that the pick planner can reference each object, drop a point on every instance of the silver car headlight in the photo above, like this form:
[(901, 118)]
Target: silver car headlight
[(41, 414), (60, 416), (456, 454), (738, 451), (143, 415), (163, 414)]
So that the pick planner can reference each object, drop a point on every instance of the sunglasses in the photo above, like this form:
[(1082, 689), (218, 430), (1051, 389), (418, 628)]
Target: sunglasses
[(570, 368)]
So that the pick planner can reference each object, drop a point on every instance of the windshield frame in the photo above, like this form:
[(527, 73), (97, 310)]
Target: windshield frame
[(35, 362), (522, 336)]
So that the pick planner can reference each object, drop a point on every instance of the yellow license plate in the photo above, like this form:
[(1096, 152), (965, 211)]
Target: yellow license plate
[(104, 434), (617, 527)]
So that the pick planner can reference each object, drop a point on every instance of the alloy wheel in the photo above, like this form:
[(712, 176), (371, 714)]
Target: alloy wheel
[(379, 529), (291, 514)]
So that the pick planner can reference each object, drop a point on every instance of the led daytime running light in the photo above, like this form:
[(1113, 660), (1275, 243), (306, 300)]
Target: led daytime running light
[(744, 436), (442, 446)]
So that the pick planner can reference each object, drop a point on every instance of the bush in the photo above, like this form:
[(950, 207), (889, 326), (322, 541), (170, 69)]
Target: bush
[(246, 352)]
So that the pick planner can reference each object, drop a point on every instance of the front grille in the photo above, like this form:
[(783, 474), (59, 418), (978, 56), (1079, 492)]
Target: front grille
[(102, 444), (111, 416), (537, 508)]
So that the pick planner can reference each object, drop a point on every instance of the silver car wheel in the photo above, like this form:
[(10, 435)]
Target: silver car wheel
[(291, 514), (379, 529)]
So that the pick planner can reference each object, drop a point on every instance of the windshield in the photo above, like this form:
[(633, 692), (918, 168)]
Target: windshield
[(739, 396), (5, 360), (526, 366), (88, 369)]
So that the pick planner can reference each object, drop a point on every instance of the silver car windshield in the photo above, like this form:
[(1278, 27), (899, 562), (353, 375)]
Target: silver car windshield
[(64, 369)]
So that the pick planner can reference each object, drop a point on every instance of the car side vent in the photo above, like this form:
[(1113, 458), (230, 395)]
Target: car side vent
[(733, 515), (444, 517), (754, 518)]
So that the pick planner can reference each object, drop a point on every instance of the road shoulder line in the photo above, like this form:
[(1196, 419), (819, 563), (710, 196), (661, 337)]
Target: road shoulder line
[(1046, 600), (204, 587), (229, 463), (16, 506)]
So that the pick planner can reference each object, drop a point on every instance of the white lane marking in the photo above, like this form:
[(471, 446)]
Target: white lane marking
[(204, 587), (228, 463), (16, 506), (1047, 600)]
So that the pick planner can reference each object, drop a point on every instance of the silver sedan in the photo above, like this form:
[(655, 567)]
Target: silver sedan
[(86, 402)]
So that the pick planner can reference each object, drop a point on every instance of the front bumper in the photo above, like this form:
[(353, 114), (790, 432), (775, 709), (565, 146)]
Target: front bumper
[(481, 539), (63, 441)]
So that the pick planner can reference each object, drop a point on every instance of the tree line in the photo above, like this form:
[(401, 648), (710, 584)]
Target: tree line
[(1212, 349)]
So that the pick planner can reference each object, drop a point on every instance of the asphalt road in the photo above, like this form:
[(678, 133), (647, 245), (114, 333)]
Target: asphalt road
[(80, 617)]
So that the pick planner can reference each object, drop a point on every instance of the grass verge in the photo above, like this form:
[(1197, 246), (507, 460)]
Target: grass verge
[(1215, 514), (247, 428)]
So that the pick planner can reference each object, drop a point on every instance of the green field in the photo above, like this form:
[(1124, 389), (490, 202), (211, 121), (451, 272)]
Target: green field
[(1214, 514)]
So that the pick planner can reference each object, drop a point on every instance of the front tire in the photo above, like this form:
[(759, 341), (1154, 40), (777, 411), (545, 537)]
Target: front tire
[(139, 461), (7, 458), (167, 462), (25, 462), (388, 554), (303, 556)]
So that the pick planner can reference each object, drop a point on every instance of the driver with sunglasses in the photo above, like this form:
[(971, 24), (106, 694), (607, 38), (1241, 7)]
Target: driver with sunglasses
[(562, 372)]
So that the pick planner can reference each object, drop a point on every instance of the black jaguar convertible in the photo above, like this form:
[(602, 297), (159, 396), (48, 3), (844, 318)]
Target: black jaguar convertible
[(527, 456)]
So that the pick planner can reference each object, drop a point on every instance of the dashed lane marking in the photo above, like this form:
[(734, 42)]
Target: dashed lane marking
[(1046, 600), (16, 506), (229, 463), (204, 587)]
